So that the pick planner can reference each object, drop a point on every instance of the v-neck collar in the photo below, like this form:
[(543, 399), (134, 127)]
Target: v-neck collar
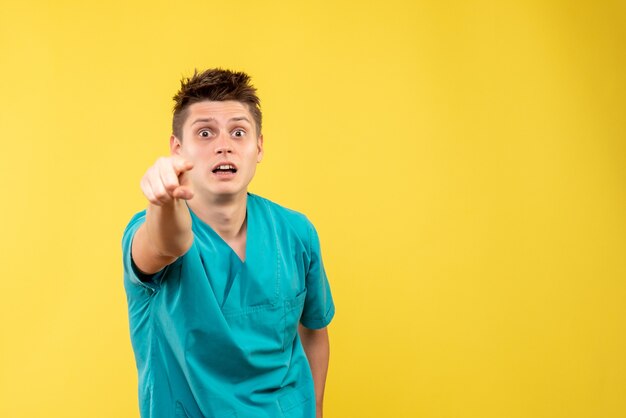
[(218, 238)]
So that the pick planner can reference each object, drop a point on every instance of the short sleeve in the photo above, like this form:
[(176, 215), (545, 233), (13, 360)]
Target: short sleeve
[(319, 307), (131, 271)]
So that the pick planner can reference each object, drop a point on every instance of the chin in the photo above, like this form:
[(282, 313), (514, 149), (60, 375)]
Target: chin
[(226, 191)]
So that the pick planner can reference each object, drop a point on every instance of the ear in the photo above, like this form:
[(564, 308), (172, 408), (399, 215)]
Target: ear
[(175, 145), (259, 146)]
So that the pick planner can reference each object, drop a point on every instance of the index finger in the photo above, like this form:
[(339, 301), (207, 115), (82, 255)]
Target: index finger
[(167, 174), (181, 165)]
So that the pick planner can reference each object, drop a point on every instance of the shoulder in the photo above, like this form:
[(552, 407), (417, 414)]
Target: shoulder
[(284, 216), (135, 221), (133, 225)]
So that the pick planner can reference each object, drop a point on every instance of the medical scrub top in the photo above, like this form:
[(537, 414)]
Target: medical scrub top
[(217, 337)]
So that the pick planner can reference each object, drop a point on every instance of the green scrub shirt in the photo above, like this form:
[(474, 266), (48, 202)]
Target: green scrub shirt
[(217, 337)]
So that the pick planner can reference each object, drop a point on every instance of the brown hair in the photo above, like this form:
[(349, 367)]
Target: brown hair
[(214, 84)]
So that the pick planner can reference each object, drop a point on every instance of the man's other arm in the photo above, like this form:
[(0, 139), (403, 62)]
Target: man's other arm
[(317, 348)]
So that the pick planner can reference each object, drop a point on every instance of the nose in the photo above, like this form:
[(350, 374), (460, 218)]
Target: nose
[(223, 144)]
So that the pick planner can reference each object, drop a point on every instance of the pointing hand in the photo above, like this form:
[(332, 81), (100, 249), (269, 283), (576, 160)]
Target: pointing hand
[(165, 180)]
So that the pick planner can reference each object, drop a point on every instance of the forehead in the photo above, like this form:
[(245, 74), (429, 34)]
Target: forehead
[(221, 111)]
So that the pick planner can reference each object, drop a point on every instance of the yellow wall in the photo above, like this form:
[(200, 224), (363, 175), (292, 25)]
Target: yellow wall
[(464, 163)]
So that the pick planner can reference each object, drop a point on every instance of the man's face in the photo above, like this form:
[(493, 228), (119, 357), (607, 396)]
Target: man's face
[(220, 139)]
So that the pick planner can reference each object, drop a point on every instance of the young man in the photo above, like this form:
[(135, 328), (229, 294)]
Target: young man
[(228, 300)]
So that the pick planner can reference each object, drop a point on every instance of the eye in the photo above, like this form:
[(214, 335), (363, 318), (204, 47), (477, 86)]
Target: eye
[(239, 133), (204, 133)]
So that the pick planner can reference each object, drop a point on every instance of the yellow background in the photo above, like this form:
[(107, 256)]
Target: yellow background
[(463, 162)]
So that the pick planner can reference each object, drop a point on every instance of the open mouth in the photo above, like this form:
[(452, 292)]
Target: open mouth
[(224, 168)]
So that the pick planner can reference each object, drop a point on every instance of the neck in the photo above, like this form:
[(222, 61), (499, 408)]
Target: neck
[(225, 214)]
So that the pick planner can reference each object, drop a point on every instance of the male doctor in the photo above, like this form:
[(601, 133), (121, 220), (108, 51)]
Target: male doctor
[(228, 299)]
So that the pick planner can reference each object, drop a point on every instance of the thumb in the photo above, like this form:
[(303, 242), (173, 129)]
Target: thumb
[(183, 192)]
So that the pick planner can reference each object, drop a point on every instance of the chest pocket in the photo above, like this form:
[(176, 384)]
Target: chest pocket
[(293, 312), (270, 327)]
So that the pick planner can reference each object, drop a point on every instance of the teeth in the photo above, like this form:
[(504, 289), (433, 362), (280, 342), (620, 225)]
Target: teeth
[(225, 167)]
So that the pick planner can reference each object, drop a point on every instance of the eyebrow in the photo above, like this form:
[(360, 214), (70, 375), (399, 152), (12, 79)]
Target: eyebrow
[(235, 119), (202, 120)]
